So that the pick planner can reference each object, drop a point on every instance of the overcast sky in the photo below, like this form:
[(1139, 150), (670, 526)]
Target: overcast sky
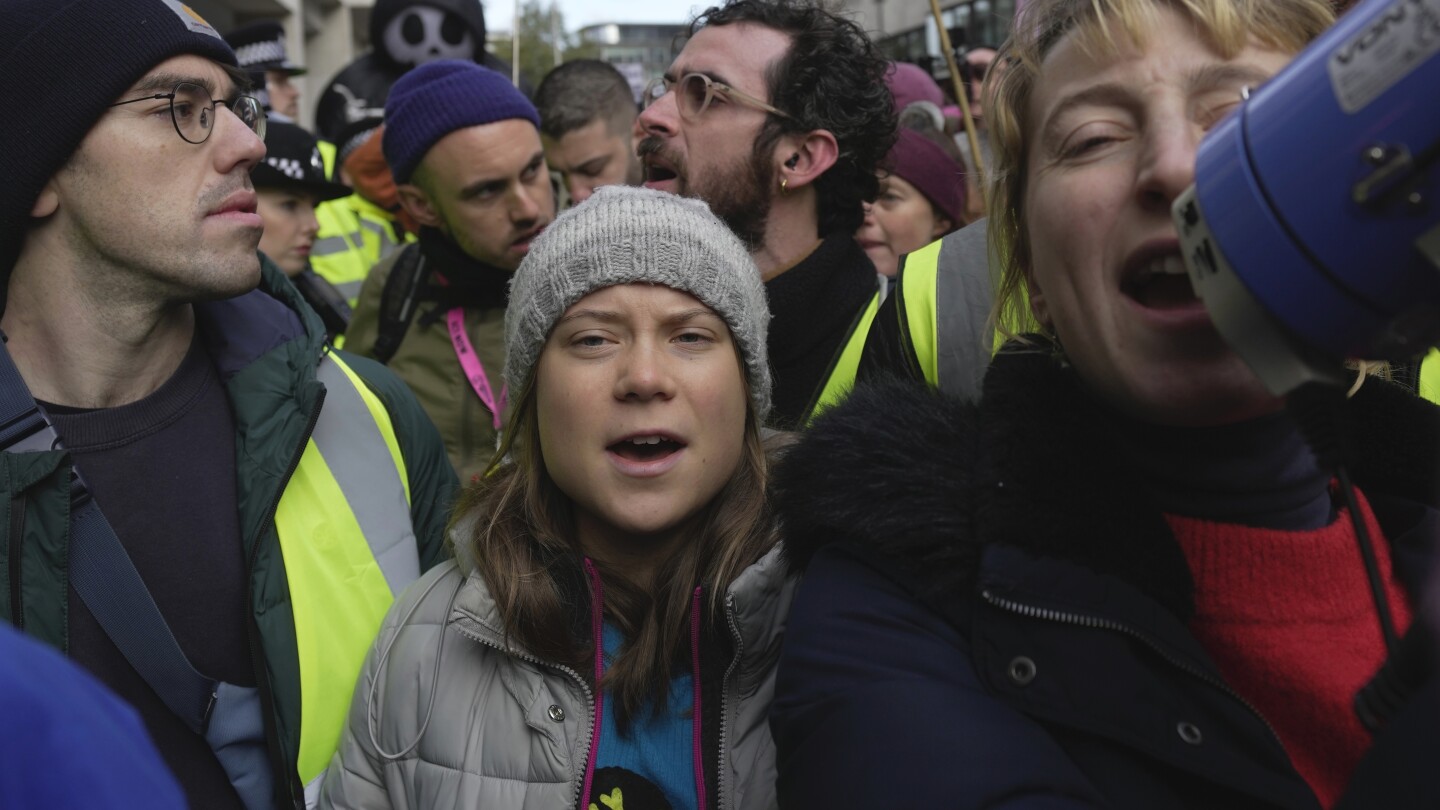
[(580, 13)]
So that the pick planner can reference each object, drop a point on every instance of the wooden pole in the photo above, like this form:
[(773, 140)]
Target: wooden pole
[(963, 99), (515, 48)]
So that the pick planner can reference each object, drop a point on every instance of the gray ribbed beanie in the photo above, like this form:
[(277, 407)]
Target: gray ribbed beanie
[(623, 235)]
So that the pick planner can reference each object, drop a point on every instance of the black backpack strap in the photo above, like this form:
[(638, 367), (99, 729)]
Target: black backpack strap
[(104, 577), (228, 717), (399, 300), (23, 427), (326, 300), (101, 571), (108, 584)]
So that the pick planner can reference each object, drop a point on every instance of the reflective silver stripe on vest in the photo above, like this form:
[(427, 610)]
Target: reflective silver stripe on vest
[(387, 240), (312, 791), (331, 245), (350, 289), (965, 284), (356, 453)]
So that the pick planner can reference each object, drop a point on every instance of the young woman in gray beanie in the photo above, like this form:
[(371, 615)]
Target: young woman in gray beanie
[(608, 635)]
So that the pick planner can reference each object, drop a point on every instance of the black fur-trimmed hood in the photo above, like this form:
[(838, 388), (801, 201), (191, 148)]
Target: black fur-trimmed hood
[(885, 470), (924, 482)]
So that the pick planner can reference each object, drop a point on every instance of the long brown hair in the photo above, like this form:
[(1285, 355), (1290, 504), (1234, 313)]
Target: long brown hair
[(521, 534)]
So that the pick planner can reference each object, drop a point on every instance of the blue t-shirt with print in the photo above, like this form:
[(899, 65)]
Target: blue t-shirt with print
[(659, 747)]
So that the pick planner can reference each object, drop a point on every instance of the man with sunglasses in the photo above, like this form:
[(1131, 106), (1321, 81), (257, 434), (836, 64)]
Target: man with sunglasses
[(777, 115), (202, 505)]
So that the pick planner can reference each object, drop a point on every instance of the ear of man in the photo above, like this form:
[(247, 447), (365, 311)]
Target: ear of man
[(416, 202), (47, 203), (806, 156)]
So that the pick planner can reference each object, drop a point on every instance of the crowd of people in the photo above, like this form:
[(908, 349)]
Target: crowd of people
[(742, 444)]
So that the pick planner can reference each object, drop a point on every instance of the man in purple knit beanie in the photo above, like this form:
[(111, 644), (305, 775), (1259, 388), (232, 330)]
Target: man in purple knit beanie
[(464, 147)]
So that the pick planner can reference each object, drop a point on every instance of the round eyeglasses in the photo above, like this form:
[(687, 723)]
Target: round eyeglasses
[(192, 111), (695, 91)]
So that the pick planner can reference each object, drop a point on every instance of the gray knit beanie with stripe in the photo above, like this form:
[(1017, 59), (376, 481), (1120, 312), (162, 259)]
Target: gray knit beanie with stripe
[(622, 235)]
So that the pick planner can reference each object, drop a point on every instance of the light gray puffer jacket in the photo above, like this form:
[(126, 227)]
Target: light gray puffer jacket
[(506, 730)]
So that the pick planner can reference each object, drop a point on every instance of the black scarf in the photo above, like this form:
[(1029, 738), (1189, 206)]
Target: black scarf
[(455, 279), (812, 306)]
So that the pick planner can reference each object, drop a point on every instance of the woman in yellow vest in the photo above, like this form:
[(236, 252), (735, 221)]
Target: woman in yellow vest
[(289, 184)]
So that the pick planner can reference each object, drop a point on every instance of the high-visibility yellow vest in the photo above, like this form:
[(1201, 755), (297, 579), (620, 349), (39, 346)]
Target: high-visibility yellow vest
[(349, 549), (355, 234), (944, 294), (1430, 376), (841, 377), (327, 156)]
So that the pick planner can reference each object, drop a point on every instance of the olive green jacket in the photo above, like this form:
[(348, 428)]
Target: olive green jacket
[(266, 346), (426, 361)]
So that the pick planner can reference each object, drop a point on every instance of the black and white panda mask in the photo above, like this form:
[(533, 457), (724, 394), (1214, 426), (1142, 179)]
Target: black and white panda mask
[(409, 33)]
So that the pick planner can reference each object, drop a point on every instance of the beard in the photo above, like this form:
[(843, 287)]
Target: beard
[(739, 195)]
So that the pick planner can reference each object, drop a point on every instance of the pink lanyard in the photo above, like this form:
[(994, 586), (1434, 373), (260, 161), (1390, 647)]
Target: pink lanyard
[(470, 364)]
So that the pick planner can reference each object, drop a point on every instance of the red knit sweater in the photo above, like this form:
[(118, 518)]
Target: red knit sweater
[(1289, 619)]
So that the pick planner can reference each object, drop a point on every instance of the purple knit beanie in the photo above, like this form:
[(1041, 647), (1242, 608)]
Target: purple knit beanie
[(437, 98), (921, 162)]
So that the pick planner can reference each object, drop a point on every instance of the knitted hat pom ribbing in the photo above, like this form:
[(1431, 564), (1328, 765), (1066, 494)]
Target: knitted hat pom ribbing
[(624, 235)]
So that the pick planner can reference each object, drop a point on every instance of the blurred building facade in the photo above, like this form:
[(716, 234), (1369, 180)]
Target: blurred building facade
[(905, 30), (322, 35), (640, 51)]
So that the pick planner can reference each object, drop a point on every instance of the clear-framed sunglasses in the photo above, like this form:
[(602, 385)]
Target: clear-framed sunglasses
[(695, 91), (192, 111)]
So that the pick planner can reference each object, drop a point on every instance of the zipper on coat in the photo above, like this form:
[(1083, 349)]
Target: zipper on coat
[(1094, 622), (722, 771), (18, 505), (291, 776), (572, 674)]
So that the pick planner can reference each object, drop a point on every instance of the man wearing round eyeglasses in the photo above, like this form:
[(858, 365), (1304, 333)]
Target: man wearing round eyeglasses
[(777, 115), (203, 505)]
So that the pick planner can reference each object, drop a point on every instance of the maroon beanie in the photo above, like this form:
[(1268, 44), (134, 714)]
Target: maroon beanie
[(910, 83), (921, 162)]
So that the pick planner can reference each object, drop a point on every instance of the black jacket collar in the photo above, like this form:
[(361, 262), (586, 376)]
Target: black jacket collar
[(922, 483), (813, 307), (457, 279)]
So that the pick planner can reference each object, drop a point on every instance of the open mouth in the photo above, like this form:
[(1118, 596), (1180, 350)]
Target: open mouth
[(656, 173), (1160, 283), (658, 167), (653, 447)]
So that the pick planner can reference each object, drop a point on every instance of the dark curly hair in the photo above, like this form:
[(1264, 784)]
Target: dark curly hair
[(832, 78)]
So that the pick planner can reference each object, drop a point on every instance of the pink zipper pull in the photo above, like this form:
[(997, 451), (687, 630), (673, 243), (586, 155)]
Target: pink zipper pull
[(698, 761), (597, 627)]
